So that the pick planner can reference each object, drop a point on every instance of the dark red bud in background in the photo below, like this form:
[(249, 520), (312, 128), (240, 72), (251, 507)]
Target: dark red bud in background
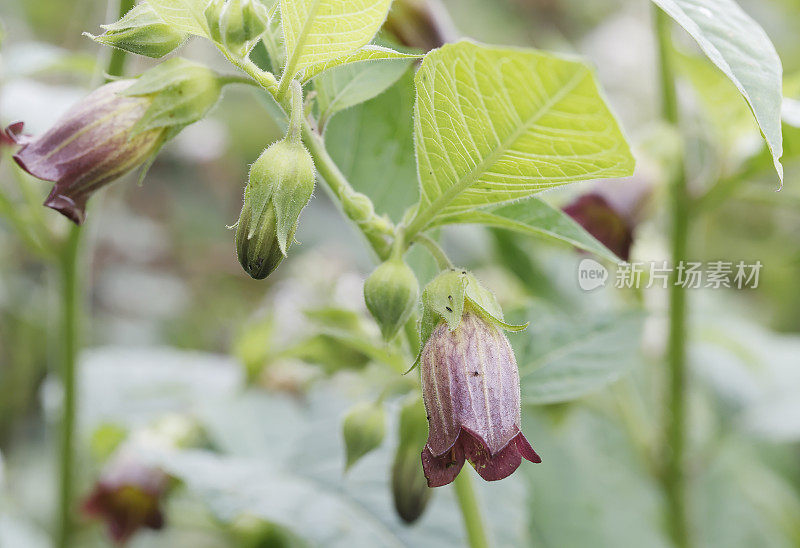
[(600, 219), (128, 496)]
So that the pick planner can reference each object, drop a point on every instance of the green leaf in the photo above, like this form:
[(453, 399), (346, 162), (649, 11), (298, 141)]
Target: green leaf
[(318, 31), (536, 218), (565, 358), (349, 85), (496, 125), (743, 51), (373, 145), (183, 15), (367, 53)]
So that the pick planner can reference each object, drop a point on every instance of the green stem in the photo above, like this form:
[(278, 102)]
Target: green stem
[(435, 250), (473, 521), (674, 415), (70, 342), (71, 314)]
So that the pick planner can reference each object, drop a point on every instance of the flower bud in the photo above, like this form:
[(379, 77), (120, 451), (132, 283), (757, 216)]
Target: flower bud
[(237, 24), (593, 212), (363, 430), (281, 183), (358, 207), (143, 32), (409, 487), (128, 496), (90, 146), (391, 293)]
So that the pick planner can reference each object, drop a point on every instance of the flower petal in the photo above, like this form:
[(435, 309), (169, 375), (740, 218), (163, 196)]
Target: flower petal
[(443, 469)]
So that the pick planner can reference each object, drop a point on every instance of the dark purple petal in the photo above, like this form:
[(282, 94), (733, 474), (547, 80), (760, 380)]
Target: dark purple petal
[(596, 215), (443, 469)]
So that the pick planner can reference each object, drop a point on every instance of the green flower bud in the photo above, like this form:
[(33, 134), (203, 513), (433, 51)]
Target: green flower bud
[(363, 430), (237, 24), (409, 486), (281, 183), (358, 207), (143, 32), (391, 293)]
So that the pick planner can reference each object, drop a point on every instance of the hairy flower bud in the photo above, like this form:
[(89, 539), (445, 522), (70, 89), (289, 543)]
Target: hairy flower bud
[(280, 185), (409, 487), (90, 146), (391, 293), (363, 430), (115, 129), (237, 24), (143, 32)]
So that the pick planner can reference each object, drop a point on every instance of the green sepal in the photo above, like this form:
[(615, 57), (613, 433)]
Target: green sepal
[(183, 92), (446, 297), (294, 186), (141, 31)]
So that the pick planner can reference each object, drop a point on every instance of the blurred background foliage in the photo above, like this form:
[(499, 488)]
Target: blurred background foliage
[(237, 388)]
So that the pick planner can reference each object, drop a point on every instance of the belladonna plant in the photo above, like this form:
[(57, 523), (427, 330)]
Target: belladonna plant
[(470, 383)]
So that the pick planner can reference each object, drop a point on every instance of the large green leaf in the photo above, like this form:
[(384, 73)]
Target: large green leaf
[(349, 85), (495, 125), (317, 31), (565, 358), (536, 218), (183, 15), (743, 51)]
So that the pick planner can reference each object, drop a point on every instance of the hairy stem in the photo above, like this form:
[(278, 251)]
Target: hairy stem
[(436, 251), (71, 314), (70, 342), (674, 414), (468, 503)]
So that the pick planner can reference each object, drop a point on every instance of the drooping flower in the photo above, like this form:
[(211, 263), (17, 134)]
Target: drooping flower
[(470, 384), (89, 147), (115, 129), (128, 496)]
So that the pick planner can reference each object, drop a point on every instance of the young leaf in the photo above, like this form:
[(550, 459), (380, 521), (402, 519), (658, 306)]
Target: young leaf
[(349, 85), (496, 125), (743, 51), (317, 31), (367, 53), (183, 15), (536, 218)]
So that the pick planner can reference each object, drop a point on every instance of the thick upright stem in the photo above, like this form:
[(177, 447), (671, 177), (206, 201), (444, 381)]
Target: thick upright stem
[(71, 313), (674, 416), (473, 521), (70, 343)]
